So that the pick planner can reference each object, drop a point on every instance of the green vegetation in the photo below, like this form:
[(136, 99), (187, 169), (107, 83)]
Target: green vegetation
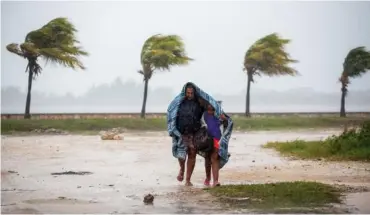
[(159, 124), (275, 196), (350, 145), (55, 42), (160, 52), (356, 63), (267, 56)]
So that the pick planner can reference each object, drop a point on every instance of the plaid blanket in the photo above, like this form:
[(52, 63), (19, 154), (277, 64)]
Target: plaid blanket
[(178, 147)]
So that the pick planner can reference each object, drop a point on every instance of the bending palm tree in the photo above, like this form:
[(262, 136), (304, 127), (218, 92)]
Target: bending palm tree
[(160, 52), (355, 64), (267, 56), (55, 42)]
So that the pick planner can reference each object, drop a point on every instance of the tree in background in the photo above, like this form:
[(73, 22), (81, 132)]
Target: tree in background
[(355, 65), (55, 42), (267, 56), (160, 52)]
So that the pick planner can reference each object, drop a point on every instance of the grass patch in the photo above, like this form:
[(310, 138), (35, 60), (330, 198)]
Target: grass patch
[(275, 196), (81, 125), (351, 145), (159, 124)]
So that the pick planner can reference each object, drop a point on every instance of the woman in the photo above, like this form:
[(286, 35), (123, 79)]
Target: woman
[(188, 122), (181, 146)]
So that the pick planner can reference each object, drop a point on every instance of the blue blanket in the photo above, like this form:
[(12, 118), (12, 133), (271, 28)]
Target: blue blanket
[(178, 147)]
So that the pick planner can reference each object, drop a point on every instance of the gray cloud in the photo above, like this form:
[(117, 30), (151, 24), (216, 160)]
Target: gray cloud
[(216, 34)]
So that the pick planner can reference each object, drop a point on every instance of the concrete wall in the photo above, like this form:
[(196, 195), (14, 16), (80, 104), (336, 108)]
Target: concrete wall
[(159, 115)]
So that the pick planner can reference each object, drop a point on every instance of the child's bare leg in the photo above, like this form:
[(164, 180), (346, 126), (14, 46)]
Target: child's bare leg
[(215, 166)]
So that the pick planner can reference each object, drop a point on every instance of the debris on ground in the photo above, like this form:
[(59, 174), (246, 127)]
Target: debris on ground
[(12, 172), (71, 173), (148, 199), (113, 134), (109, 136), (49, 131)]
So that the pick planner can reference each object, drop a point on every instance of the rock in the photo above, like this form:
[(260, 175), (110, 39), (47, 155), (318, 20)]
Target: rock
[(117, 137), (113, 134), (148, 199)]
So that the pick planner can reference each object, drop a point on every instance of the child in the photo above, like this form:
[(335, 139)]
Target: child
[(212, 161)]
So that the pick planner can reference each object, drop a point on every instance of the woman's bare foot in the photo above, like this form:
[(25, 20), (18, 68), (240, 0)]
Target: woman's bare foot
[(188, 183), (180, 177)]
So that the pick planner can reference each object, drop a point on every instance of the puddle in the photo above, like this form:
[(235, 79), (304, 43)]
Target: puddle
[(60, 200), (359, 202)]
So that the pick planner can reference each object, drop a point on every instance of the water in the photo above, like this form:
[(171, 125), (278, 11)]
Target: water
[(162, 109)]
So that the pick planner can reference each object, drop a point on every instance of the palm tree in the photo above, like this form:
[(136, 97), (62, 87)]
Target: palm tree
[(355, 65), (160, 52), (267, 56), (55, 42)]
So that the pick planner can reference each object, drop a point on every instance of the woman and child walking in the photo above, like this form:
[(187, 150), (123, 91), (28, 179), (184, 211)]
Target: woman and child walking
[(198, 125)]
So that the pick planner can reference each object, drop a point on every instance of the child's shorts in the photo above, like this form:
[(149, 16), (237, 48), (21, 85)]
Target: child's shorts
[(216, 143)]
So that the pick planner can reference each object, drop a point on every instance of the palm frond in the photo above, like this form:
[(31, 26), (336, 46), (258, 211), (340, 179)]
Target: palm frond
[(268, 56), (30, 49), (357, 62), (56, 55), (160, 52), (36, 69), (147, 46), (56, 42), (15, 48)]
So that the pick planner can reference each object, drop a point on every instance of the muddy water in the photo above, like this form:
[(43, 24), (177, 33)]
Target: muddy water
[(123, 171)]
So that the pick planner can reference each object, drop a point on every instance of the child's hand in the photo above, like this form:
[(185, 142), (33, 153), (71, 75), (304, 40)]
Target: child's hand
[(223, 117)]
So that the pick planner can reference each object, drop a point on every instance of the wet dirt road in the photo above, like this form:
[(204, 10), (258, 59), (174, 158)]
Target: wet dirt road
[(123, 171)]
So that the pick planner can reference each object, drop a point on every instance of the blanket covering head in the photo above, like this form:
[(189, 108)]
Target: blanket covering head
[(178, 147)]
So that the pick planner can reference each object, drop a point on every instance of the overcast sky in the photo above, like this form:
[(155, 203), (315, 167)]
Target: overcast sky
[(216, 35)]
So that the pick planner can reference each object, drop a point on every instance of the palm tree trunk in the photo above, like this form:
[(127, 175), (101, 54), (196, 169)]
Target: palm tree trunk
[(247, 105), (27, 114), (343, 101), (144, 99)]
